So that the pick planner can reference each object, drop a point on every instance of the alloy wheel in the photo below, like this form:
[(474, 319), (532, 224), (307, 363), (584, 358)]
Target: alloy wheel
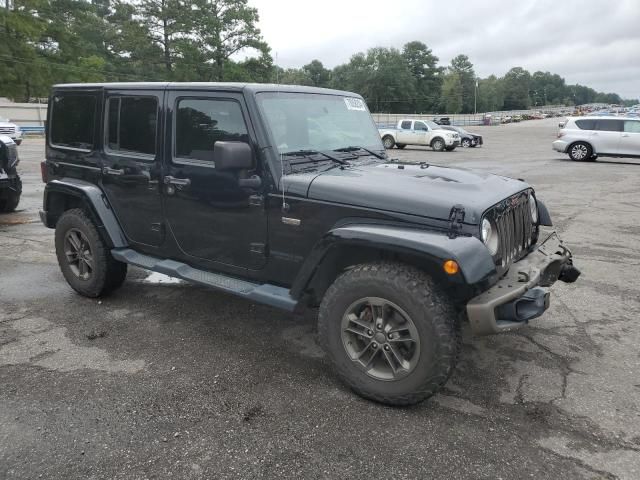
[(579, 152), (78, 252), (381, 338)]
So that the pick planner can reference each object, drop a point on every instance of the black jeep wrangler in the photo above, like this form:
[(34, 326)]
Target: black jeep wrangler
[(284, 195), (10, 183)]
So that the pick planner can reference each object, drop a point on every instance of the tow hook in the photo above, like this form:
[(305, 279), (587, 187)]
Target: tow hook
[(569, 273)]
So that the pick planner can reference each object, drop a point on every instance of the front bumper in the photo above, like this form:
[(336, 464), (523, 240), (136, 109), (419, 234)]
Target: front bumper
[(521, 295), (560, 146), (452, 141)]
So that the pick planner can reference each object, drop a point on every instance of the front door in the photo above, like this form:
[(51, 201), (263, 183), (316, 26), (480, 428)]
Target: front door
[(421, 132), (630, 138), (210, 216), (130, 165)]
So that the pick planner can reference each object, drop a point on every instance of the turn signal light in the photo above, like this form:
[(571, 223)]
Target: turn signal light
[(451, 267)]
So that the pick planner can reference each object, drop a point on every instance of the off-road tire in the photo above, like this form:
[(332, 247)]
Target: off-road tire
[(400, 145), (430, 310), (107, 275), (388, 142), (10, 203), (438, 144), (580, 152)]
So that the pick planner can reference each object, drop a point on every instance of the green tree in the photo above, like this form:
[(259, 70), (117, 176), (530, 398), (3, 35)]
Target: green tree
[(427, 75), (490, 94), (462, 66), (318, 75), (452, 100), (516, 89), (223, 28)]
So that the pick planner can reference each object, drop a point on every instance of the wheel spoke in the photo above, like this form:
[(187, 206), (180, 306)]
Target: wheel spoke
[(74, 241), (363, 351), (353, 318), (88, 259), (372, 357), (358, 332), (82, 268), (398, 356), (390, 362)]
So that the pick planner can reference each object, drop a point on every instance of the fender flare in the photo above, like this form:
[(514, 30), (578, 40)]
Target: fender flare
[(94, 198), (437, 137), (474, 259), (544, 218)]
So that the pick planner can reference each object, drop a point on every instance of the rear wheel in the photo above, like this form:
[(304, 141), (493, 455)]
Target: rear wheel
[(391, 334), (388, 142), (580, 151), (85, 260), (438, 144)]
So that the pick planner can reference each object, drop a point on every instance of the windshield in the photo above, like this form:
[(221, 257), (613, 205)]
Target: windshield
[(310, 121), (432, 125)]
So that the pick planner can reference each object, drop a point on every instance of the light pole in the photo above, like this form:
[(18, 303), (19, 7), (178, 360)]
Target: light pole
[(475, 98)]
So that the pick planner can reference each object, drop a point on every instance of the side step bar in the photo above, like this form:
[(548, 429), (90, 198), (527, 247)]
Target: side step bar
[(272, 295)]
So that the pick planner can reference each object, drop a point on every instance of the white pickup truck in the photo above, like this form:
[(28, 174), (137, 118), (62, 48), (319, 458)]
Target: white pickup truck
[(419, 132)]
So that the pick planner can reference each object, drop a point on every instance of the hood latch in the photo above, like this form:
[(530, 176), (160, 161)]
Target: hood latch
[(456, 217)]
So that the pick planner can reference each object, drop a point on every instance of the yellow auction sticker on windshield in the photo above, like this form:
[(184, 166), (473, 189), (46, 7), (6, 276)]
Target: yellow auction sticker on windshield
[(355, 104)]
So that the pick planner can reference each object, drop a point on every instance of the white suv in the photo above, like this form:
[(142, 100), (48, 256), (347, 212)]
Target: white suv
[(11, 130), (586, 138)]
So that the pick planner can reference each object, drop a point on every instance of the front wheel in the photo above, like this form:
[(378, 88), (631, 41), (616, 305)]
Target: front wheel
[(85, 260), (466, 142), (438, 145), (388, 142), (390, 332), (10, 203), (580, 151)]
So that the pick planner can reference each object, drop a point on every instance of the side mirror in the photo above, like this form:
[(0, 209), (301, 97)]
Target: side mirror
[(232, 156)]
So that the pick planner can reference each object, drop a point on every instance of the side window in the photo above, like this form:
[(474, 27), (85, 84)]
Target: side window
[(200, 123), (420, 126), (609, 125), (406, 125), (73, 119), (586, 124), (632, 126), (131, 124)]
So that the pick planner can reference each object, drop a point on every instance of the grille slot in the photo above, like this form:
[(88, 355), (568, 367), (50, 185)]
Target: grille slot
[(516, 231), (7, 130)]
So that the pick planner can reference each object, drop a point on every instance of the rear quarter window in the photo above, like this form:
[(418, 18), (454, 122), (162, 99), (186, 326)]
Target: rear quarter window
[(586, 124), (73, 118), (406, 125)]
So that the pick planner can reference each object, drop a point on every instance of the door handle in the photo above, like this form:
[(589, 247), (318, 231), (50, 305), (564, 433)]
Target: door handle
[(112, 171), (183, 182), (625, 135)]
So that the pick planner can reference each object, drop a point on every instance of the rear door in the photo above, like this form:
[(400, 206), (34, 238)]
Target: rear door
[(130, 165), (405, 133), (606, 137), (630, 138)]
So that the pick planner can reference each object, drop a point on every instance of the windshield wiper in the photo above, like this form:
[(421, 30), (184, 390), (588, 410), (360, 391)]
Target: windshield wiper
[(353, 148), (306, 152)]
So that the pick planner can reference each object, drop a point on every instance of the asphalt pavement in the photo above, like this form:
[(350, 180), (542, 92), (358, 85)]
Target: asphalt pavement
[(170, 380)]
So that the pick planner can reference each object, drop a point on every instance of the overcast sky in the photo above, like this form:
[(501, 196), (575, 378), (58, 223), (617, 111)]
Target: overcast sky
[(592, 42)]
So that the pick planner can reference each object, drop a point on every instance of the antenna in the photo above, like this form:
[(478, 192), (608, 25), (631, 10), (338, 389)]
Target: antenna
[(284, 207)]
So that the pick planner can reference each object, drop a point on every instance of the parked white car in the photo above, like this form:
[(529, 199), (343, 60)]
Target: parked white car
[(419, 132), (586, 138), (11, 130)]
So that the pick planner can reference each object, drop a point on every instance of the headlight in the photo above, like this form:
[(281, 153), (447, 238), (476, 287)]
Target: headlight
[(489, 236), (533, 207)]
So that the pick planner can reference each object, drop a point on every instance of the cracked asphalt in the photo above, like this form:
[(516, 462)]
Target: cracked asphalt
[(169, 380)]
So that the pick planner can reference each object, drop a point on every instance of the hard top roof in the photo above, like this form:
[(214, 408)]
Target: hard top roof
[(212, 86)]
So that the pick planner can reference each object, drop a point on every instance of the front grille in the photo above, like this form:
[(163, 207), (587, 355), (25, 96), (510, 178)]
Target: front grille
[(7, 130), (516, 230)]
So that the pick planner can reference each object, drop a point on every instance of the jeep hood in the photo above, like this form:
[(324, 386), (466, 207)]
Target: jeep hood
[(426, 191)]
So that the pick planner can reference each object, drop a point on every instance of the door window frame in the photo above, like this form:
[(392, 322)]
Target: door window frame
[(175, 159), (96, 118), (146, 157)]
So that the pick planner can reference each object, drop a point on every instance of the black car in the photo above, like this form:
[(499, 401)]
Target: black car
[(442, 120), (284, 195), (10, 183), (467, 139)]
